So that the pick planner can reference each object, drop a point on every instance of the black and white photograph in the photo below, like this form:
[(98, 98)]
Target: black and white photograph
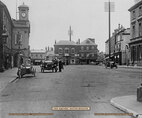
[(70, 58)]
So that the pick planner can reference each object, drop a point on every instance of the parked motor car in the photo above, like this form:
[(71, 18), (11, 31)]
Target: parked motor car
[(111, 64), (26, 68), (49, 65)]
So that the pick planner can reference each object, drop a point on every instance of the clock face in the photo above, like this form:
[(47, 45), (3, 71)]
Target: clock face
[(23, 14)]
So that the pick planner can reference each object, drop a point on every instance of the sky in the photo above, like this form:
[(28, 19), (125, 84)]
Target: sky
[(50, 20)]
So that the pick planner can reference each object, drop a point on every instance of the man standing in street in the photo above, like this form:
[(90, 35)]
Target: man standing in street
[(60, 65)]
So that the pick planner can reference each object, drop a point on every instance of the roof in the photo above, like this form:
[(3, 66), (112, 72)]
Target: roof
[(135, 6), (65, 42), (38, 51), (87, 42), (50, 53), (6, 10), (23, 6)]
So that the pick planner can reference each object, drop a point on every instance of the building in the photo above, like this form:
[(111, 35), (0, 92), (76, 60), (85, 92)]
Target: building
[(119, 45), (136, 34), (5, 38), (37, 56), (21, 33), (88, 51), (75, 53)]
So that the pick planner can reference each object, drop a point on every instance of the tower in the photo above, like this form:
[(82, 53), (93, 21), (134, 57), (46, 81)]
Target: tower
[(23, 12)]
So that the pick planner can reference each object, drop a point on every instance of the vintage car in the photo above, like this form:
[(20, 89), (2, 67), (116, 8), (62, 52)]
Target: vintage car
[(26, 68), (49, 65), (111, 64)]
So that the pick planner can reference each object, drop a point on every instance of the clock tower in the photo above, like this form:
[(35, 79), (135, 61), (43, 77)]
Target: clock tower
[(23, 12)]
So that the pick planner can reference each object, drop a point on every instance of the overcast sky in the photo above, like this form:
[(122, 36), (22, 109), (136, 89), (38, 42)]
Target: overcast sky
[(50, 20)]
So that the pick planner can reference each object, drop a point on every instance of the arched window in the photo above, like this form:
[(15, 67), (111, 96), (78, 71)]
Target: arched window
[(87, 48), (72, 50), (60, 50), (82, 48)]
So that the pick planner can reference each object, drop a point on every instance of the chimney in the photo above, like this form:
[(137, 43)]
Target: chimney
[(55, 41), (45, 49), (48, 48), (78, 41), (119, 26)]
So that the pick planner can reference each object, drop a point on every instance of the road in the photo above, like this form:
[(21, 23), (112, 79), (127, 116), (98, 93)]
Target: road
[(75, 86)]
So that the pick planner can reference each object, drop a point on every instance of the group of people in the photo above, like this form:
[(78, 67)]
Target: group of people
[(59, 63)]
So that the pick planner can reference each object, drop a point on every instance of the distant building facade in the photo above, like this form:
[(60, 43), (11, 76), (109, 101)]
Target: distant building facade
[(37, 56), (75, 53), (136, 34), (21, 33), (119, 46)]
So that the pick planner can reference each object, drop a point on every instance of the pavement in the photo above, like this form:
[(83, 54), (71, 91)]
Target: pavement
[(131, 67), (7, 77), (128, 104)]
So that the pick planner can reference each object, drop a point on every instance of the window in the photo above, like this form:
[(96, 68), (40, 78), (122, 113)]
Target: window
[(82, 48), (140, 10), (82, 55), (133, 31), (60, 50), (140, 29), (72, 50), (92, 47), (87, 48), (133, 15), (66, 50)]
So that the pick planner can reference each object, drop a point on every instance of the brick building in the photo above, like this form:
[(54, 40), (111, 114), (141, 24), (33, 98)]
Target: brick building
[(136, 33), (5, 43), (75, 53)]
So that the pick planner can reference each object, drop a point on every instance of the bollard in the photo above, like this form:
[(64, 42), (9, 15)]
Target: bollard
[(139, 93)]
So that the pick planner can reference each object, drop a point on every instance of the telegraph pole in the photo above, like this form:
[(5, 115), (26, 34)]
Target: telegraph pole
[(109, 15), (109, 7), (70, 33)]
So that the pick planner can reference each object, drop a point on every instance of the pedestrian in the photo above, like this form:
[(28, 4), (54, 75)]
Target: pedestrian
[(60, 65)]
